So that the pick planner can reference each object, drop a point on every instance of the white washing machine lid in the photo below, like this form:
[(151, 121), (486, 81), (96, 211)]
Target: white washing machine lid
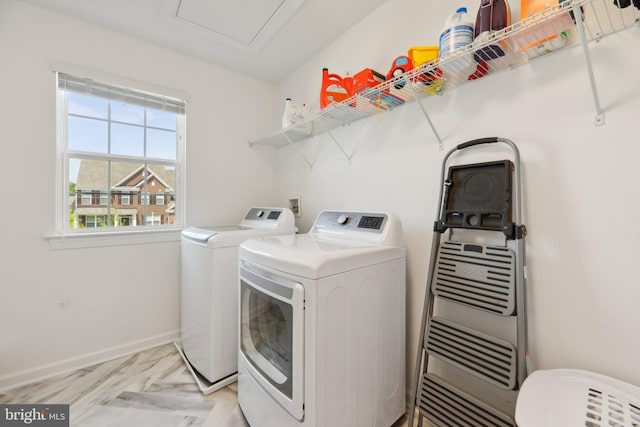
[(314, 257), (257, 222), (224, 236)]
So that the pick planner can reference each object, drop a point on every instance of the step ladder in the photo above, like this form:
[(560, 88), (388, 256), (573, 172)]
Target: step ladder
[(472, 349)]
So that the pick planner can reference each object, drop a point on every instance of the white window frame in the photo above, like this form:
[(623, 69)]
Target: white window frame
[(126, 197), (159, 198), (62, 228)]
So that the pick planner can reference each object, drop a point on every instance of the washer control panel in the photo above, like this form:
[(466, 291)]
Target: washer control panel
[(355, 221), (263, 214)]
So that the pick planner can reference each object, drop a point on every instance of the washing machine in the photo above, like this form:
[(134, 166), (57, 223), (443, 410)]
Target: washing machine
[(209, 288), (322, 324)]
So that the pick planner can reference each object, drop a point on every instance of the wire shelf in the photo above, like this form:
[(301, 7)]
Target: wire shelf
[(551, 30)]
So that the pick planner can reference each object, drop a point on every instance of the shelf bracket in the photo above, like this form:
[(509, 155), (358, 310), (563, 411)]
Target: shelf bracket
[(335, 141), (426, 116), (577, 12), (298, 150)]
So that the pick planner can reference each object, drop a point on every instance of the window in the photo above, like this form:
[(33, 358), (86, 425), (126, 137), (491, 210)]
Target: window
[(153, 219), (93, 221), (117, 141)]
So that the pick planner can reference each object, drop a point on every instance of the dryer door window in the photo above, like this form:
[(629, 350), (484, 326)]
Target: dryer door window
[(271, 334), (269, 330)]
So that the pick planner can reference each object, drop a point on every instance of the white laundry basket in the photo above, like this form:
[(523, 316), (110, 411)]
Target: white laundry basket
[(567, 398)]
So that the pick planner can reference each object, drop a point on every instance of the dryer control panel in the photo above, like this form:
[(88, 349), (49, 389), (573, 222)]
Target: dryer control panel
[(355, 221), (371, 227)]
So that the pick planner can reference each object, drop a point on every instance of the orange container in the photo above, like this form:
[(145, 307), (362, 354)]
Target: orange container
[(531, 7), (365, 79), (334, 88), (548, 32)]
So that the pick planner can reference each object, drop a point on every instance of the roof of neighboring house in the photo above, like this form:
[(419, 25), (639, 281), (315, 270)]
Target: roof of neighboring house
[(93, 174)]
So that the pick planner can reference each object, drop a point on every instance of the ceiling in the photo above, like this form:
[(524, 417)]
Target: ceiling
[(266, 39)]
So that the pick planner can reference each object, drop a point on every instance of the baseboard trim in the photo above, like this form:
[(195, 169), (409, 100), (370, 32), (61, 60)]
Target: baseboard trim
[(49, 370)]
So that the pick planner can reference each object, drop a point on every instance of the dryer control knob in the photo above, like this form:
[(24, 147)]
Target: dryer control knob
[(343, 219), (259, 214)]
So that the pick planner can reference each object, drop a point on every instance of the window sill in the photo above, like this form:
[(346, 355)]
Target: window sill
[(112, 238)]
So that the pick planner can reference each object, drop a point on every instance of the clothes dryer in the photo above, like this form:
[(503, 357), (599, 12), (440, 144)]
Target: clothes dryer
[(209, 288), (322, 324)]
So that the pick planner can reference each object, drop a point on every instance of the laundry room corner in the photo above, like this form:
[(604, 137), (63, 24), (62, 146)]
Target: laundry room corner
[(392, 163), (101, 297)]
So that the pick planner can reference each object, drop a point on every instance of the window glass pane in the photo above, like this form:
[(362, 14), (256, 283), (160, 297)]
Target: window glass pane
[(160, 186), (73, 167), (161, 119), (86, 105), (87, 135), (73, 199), (127, 181), (127, 140), (127, 113), (92, 208), (161, 144)]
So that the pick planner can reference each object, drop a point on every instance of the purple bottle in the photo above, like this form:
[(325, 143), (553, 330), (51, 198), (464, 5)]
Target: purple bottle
[(493, 15)]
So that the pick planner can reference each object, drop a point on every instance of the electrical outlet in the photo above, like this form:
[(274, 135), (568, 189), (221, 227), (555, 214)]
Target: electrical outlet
[(294, 205)]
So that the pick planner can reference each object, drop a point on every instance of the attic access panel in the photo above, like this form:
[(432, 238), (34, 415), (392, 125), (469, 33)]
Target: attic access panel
[(478, 196), (246, 22)]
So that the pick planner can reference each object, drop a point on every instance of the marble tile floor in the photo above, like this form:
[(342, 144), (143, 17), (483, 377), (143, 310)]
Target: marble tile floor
[(151, 388)]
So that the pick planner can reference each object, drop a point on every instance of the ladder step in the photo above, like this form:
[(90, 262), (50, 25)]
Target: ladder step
[(489, 358), (476, 275), (444, 405)]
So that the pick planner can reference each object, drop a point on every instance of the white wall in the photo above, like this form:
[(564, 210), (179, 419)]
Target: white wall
[(121, 298), (580, 181)]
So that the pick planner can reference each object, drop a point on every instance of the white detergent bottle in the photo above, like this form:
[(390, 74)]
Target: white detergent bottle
[(294, 117), (291, 112), (456, 34)]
